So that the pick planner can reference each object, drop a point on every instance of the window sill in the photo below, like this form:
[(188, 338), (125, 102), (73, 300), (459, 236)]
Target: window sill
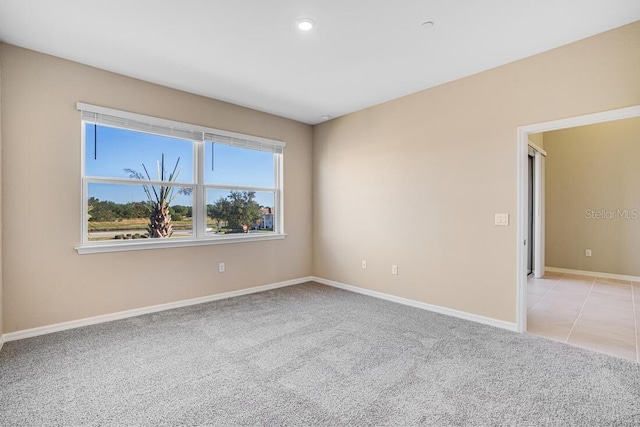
[(95, 248)]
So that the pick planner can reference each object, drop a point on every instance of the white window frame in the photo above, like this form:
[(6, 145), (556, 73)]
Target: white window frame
[(199, 135)]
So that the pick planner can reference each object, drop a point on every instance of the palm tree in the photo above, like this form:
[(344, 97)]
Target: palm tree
[(160, 198)]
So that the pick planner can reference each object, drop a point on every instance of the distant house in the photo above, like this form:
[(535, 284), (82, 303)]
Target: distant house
[(267, 218)]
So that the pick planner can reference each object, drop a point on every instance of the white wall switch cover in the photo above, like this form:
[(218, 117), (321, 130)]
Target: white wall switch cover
[(502, 219)]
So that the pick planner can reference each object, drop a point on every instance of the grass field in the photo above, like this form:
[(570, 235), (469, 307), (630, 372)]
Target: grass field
[(139, 224), (108, 230)]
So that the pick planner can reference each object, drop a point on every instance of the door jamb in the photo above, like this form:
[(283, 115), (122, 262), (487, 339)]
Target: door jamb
[(538, 156), (522, 152)]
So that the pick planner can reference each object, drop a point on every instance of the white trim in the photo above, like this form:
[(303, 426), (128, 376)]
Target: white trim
[(635, 324), (84, 185), (141, 182), (521, 180), (43, 330), (80, 106), (429, 307), (587, 119), (238, 187), (593, 274), (539, 215), (137, 245), (278, 161), (536, 148), (198, 201), (134, 181), (522, 232)]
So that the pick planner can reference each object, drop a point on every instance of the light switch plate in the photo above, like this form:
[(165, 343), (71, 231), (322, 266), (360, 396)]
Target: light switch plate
[(502, 219)]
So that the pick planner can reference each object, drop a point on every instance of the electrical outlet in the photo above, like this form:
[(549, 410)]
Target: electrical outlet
[(221, 267), (364, 264), (502, 219), (587, 252), (394, 269)]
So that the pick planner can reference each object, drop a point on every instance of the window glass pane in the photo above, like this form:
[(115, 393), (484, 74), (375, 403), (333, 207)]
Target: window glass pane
[(121, 153), (238, 166), (231, 211), (123, 212)]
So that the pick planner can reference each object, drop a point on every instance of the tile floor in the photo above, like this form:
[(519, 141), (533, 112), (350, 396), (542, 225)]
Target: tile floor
[(590, 312)]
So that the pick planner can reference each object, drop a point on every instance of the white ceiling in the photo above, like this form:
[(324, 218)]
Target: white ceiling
[(249, 52)]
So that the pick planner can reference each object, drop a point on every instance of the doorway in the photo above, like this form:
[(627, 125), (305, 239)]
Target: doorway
[(531, 210), (527, 261), (535, 206), (586, 297)]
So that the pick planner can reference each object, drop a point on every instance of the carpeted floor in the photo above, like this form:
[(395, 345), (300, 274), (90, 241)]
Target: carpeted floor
[(309, 355)]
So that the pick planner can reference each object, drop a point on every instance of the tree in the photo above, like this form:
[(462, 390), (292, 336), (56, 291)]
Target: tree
[(182, 210), (101, 210), (104, 211), (221, 213), (238, 210), (160, 198), (178, 212)]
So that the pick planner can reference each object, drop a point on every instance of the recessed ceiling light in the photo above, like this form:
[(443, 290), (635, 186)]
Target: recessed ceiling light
[(305, 24), (326, 117), (427, 24)]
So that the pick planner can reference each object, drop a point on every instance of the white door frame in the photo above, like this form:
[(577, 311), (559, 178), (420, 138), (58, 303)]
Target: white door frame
[(538, 213), (538, 209), (522, 152)]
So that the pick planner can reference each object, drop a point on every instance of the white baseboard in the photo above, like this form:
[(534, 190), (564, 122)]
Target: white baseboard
[(593, 274), (430, 307), (28, 333)]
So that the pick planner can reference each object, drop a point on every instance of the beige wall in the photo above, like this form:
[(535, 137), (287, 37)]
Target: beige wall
[(417, 181), (45, 280), (413, 182), (590, 169), (537, 138)]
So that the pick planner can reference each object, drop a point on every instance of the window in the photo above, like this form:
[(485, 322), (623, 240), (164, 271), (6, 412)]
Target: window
[(149, 183)]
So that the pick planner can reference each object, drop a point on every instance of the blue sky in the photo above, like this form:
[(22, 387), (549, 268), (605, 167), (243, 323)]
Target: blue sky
[(120, 149)]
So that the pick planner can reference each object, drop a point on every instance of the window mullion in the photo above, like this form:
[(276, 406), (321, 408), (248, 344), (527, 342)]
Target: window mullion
[(278, 201), (199, 210), (85, 211), (239, 188), (129, 181), (84, 190)]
